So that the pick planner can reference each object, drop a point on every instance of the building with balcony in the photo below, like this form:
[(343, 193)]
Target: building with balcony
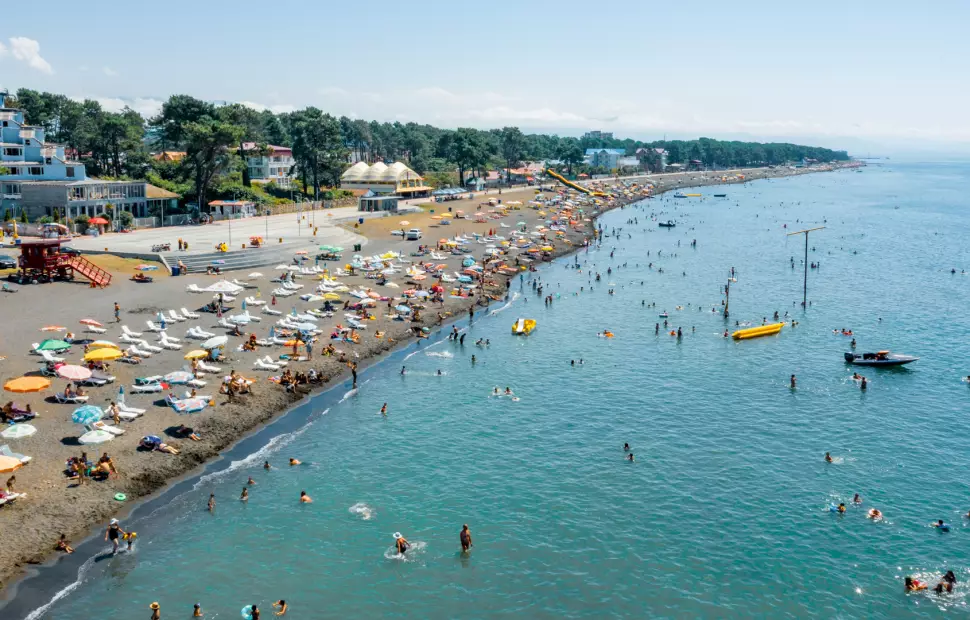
[(383, 179), (274, 164), (604, 158), (38, 178)]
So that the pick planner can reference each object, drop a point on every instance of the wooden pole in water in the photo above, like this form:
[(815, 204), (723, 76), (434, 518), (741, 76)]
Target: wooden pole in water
[(805, 281)]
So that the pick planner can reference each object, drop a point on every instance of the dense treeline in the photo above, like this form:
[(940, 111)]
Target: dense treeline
[(118, 144)]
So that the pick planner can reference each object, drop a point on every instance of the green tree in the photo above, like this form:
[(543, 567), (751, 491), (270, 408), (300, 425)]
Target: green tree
[(570, 153), (207, 142), (513, 143), (178, 113), (318, 147), (7, 215), (23, 216), (127, 219), (468, 150), (251, 125)]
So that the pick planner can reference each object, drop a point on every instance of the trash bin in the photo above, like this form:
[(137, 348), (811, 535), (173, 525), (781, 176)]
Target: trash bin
[(176, 271)]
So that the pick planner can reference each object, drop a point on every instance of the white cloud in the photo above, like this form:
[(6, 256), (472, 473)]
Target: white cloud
[(109, 71), (28, 51), (279, 108), (146, 106)]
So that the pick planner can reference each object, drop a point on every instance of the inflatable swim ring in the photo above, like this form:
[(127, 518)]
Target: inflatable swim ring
[(120, 497)]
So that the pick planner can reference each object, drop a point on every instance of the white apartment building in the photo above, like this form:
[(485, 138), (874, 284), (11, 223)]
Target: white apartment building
[(276, 165)]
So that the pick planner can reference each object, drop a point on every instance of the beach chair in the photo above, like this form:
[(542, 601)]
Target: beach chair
[(171, 346), (96, 330), (98, 374), (129, 339), (252, 301), (262, 365), (175, 316), (149, 347), (164, 336), (270, 360), (146, 388), (194, 288), (6, 451), (189, 315), (6, 497), (101, 426), (223, 322), (49, 357), (270, 311), (72, 400), (91, 381), (133, 410), (152, 327), (128, 332), (203, 367), (196, 383)]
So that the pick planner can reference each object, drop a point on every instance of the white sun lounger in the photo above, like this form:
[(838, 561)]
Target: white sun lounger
[(129, 339), (252, 301), (223, 322), (268, 310), (175, 316), (171, 346), (6, 451), (152, 327), (128, 332), (59, 397), (189, 315), (101, 426), (203, 367), (194, 288), (261, 365), (149, 347), (135, 351), (146, 388), (165, 336), (96, 330), (49, 357), (270, 360), (134, 410)]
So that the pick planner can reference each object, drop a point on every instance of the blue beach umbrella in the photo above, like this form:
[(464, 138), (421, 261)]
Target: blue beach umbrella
[(403, 309), (86, 414)]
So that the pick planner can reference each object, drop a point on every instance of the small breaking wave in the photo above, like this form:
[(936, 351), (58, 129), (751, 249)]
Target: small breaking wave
[(363, 511)]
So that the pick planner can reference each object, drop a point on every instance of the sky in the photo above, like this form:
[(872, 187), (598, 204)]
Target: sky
[(883, 77)]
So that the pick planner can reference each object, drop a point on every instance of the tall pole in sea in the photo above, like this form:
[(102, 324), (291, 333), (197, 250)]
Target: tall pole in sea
[(805, 281)]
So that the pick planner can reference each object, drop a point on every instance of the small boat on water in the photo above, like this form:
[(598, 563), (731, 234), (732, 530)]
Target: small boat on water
[(667, 224), (664, 315), (523, 327), (720, 195), (680, 195), (757, 332), (879, 358)]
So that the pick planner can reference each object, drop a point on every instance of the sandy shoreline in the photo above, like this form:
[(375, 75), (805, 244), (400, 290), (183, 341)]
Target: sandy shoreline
[(55, 505)]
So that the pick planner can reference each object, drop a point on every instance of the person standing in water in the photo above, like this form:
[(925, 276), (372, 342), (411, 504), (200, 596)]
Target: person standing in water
[(828, 457), (282, 607), (197, 611), (212, 502), (466, 538), (245, 495), (384, 410), (114, 534), (156, 611), (401, 543), (793, 381)]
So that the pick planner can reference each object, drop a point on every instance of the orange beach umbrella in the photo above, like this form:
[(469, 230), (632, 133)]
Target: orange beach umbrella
[(27, 384)]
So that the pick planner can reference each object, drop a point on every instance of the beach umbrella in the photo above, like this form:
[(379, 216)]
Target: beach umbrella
[(422, 294), (90, 322), (86, 414), (52, 328), (403, 309), (23, 385), (223, 286), (179, 377), (468, 262), (72, 372), (255, 274), (189, 405), (103, 355), (95, 437), (18, 431), (9, 464), (155, 439), (215, 342), (53, 345), (301, 252), (121, 394), (196, 354), (102, 344), (290, 343), (244, 304)]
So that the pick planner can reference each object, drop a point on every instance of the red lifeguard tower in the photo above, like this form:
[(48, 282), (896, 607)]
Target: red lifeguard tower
[(42, 260)]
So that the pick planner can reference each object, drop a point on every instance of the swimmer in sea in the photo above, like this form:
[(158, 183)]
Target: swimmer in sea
[(439, 372), (793, 381), (281, 604), (841, 509), (943, 527), (197, 611), (857, 499), (250, 481), (212, 502), (402, 370), (465, 537), (266, 465), (626, 447), (245, 495), (294, 462), (473, 359), (401, 543), (304, 498), (863, 385), (856, 376), (630, 458), (384, 409), (572, 362), (828, 457), (508, 391), (914, 585), (495, 391)]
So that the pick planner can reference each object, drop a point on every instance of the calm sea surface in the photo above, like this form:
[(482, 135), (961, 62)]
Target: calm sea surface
[(725, 512)]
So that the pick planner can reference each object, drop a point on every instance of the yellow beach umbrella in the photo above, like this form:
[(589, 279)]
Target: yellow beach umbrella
[(27, 384), (102, 344), (196, 355), (547, 248), (102, 355), (331, 297), (9, 464)]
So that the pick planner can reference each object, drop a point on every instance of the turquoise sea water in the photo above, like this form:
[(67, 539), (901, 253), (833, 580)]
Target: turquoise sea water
[(725, 511)]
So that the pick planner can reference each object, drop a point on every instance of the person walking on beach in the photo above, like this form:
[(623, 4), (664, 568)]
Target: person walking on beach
[(114, 534), (117, 313), (466, 538)]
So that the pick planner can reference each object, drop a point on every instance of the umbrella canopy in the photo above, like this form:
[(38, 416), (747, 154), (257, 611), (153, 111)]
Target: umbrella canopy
[(403, 309), (53, 345), (94, 437), (223, 286), (52, 328), (290, 343), (98, 221), (102, 344), (9, 464), (18, 431), (196, 354), (90, 322), (27, 384), (103, 355), (72, 372), (215, 343), (179, 377), (86, 414)]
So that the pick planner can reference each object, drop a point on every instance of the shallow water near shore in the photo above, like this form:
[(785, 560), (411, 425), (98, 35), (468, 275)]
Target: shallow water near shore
[(725, 512)]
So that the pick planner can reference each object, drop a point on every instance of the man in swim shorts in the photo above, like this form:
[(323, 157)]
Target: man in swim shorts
[(466, 538)]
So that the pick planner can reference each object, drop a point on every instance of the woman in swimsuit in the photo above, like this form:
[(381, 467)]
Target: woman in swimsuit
[(114, 534), (402, 544)]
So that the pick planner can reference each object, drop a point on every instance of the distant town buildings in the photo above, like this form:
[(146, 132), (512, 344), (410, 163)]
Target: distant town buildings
[(39, 179), (598, 135), (275, 164), (604, 158)]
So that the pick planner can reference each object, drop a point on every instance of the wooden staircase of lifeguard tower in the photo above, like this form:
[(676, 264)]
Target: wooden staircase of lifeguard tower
[(98, 276)]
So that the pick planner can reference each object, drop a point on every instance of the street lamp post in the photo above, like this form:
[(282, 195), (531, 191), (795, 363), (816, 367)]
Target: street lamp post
[(805, 280)]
